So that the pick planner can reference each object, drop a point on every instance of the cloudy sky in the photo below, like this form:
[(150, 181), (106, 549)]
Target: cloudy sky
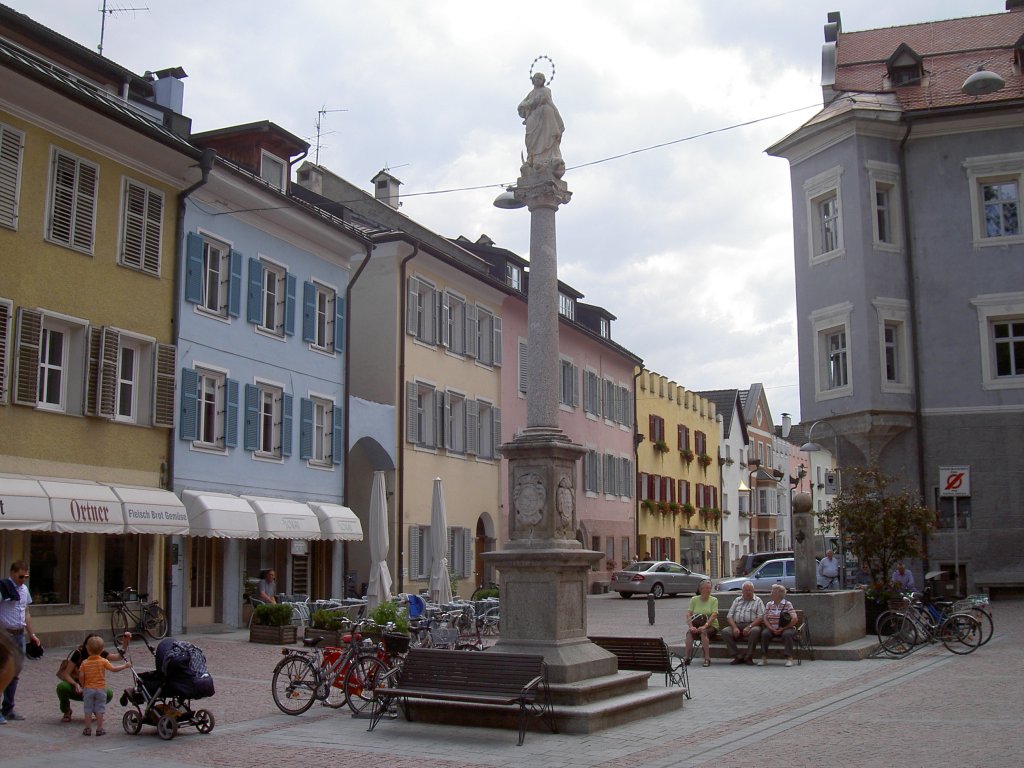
[(689, 245)]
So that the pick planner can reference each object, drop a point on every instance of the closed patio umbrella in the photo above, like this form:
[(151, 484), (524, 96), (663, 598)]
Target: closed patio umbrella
[(379, 588), (440, 585)]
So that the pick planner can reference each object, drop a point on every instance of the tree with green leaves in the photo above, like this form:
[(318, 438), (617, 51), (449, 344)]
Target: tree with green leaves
[(882, 522)]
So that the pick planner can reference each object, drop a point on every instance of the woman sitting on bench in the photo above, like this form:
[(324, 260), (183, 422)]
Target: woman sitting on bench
[(779, 623), (701, 621)]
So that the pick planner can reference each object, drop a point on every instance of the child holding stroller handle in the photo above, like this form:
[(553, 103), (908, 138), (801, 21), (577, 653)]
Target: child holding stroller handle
[(94, 684), (69, 688)]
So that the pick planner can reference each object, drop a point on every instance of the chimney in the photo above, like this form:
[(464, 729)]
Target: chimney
[(385, 189), (1014, 5), (311, 177), (168, 90), (787, 425)]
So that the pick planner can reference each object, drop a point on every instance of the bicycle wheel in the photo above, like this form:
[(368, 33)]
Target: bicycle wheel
[(896, 633), (119, 623), (361, 681), (961, 633), (155, 622), (984, 616), (294, 684)]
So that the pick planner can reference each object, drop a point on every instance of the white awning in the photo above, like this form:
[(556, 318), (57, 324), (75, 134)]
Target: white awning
[(337, 523), (24, 505), (152, 510), (220, 515), (284, 519), (79, 506)]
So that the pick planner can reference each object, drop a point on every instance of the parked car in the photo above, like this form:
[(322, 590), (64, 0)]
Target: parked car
[(657, 577), (779, 571), (749, 562)]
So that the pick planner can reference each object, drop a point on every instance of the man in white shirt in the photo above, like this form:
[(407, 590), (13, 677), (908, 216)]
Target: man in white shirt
[(15, 621), (746, 614), (828, 572)]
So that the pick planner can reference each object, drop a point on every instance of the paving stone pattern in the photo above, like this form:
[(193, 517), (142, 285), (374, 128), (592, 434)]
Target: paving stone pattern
[(930, 709)]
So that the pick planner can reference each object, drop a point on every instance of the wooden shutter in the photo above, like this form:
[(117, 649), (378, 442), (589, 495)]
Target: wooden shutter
[(286, 423), (188, 426), (338, 435), (290, 291), (339, 322), (235, 284), (472, 427), (412, 307), (305, 428), (522, 366), (250, 435), (231, 406), (5, 330), (254, 300), (30, 331), (164, 364), (496, 344), (193, 268), (411, 412), (141, 226), (94, 336), (11, 146), (106, 383), (308, 315)]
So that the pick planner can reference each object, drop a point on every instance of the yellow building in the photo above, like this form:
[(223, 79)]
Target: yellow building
[(678, 485), (88, 202)]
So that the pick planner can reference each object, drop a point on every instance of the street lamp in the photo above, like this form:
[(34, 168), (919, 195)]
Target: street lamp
[(810, 447)]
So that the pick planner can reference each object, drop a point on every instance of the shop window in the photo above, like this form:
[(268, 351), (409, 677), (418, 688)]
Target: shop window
[(54, 560), (125, 564)]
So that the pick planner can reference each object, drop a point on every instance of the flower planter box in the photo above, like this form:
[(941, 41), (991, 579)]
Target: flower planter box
[(259, 633), (327, 637)]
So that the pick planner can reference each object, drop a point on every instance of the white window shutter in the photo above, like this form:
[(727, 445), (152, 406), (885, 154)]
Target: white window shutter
[(522, 367), (446, 317), (431, 303), (11, 146), (467, 553), (449, 438), (496, 344), (106, 384), (5, 329), (415, 552), (472, 427), (472, 345), (412, 307), (495, 430)]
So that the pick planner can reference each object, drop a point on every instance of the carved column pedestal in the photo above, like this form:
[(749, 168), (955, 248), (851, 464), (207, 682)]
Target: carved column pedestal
[(544, 568)]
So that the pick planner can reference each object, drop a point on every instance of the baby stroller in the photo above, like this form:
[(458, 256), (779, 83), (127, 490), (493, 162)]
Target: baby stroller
[(164, 696)]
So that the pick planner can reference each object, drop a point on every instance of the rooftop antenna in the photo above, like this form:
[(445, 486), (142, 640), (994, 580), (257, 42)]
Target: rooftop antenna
[(105, 11), (319, 119)]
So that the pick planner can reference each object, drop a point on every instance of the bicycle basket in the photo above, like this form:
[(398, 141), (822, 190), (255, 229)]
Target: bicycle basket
[(129, 595), (395, 642), (899, 603)]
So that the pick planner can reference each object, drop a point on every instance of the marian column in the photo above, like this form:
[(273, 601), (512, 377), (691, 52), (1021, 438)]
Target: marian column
[(544, 569)]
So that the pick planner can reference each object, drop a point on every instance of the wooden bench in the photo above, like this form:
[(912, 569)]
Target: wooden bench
[(647, 654), (802, 646), (507, 679)]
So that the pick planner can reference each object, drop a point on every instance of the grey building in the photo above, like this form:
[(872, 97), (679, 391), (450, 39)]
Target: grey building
[(909, 259)]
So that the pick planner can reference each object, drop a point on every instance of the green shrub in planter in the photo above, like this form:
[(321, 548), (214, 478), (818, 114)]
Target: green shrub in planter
[(270, 615), (330, 620), (391, 612)]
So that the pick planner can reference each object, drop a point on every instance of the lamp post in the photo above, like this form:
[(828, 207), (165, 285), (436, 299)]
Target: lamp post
[(810, 447)]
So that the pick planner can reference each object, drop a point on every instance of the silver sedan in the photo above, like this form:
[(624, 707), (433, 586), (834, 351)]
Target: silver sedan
[(656, 577)]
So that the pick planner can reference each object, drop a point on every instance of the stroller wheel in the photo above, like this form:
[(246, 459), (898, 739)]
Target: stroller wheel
[(204, 720), (166, 727), (132, 722)]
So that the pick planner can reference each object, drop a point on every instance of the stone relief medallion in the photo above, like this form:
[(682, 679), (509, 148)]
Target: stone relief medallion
[(565, 501), (528, 498)]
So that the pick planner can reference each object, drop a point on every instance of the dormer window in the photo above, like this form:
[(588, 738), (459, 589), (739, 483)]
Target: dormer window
[(1018, 53), (905, 67), (514, 275), (566, 306), (272, 170), (606, 328)]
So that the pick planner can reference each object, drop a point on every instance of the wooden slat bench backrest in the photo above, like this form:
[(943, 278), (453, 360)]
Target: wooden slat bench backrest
[(645, 654), (444, 670)]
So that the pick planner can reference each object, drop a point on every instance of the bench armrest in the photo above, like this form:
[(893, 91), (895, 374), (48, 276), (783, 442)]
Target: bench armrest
[(533, 684)]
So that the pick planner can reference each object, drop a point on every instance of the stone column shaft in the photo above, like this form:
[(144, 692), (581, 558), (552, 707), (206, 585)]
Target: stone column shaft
[(544, 374)]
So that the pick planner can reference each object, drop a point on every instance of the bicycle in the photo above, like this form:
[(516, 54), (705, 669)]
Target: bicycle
[(331, 675), (976, 606), (150, 619), (917, 621)]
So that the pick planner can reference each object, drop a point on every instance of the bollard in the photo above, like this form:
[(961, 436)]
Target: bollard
[(650, 609)]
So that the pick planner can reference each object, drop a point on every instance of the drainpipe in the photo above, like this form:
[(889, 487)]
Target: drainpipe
[(399, 453), (636, 466), (348, 411), (915, 354), (175, 602)]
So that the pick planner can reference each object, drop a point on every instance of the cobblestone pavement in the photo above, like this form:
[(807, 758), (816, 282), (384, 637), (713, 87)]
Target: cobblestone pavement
[(930, 709)]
